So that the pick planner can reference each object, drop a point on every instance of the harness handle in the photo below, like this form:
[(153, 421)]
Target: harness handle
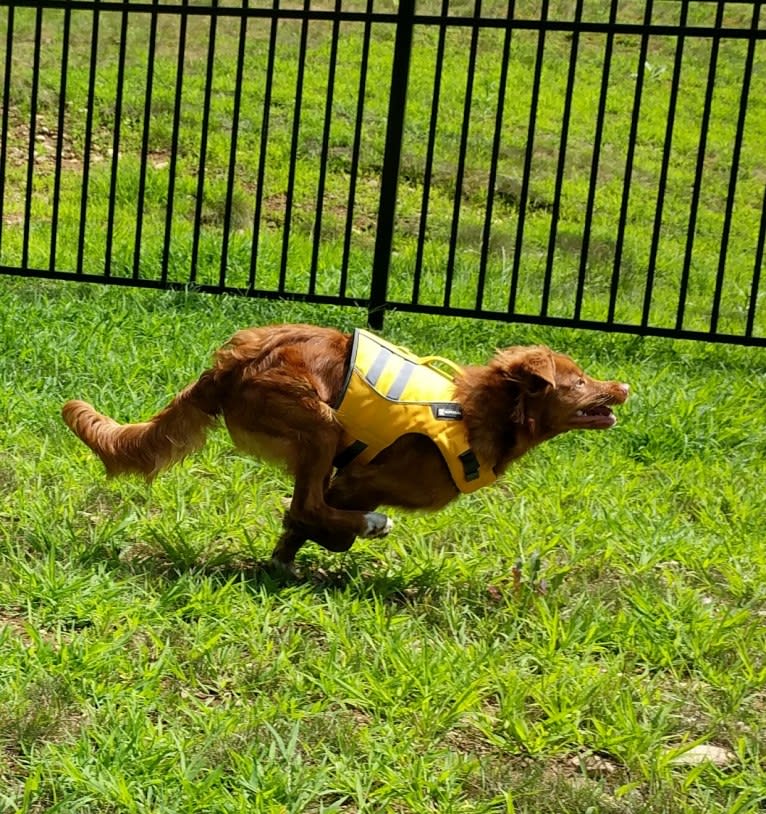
[(431, 361)]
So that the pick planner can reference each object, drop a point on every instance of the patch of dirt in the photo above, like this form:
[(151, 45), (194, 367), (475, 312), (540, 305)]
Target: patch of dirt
[(705, 753), (16, 624), (45, 149), (19, 628)]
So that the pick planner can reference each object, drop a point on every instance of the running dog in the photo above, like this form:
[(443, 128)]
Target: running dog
[(359, 423)]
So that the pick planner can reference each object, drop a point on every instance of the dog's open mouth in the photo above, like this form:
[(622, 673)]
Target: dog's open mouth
[(599, 417)]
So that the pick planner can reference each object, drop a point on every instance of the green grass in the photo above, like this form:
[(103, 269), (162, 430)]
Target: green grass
[(549, 644)]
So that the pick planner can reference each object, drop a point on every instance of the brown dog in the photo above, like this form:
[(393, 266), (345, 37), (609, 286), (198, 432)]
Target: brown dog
[(277, 389)]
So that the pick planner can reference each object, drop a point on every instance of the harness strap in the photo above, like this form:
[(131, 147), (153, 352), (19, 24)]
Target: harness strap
[(470, 464), (430, 360), (347, 455)]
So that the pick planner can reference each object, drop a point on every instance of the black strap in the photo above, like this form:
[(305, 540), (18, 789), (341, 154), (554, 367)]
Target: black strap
[(349, 453)]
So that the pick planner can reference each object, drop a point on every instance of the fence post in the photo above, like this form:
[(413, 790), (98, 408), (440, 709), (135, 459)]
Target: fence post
[(390, 174)]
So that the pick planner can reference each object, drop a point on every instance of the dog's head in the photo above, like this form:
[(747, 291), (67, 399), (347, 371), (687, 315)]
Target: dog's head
[(554, 395)]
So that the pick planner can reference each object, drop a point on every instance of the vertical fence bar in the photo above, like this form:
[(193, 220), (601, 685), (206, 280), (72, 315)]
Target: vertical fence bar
[(60, 137), (241, 51), (116, 143), (88, 142), (438, 70), (622, 223), (173, 164), (4, 124), (32, 135), (391, 158), (666, 151), (562, 159), (263, 146), (294, 146), (736, 153), (524, 195), (462, 154), (203, 142), (492, 179), (759, 253), (692, 228), (595, 161), (325, 149), (355, 150), (149, 88)]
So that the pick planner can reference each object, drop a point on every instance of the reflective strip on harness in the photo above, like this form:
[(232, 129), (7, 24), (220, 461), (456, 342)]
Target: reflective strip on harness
[(378, 366), (400, 382)]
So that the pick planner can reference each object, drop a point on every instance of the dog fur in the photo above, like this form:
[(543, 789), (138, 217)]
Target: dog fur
[(274, 387)]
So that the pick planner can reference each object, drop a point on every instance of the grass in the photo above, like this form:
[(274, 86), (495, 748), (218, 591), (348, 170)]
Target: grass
[(549, 644)]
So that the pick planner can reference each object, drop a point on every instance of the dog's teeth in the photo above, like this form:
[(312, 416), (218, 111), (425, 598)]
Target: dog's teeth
[(580, 412)]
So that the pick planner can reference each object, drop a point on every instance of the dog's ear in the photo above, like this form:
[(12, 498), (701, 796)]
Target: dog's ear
[(531, 367), (530, 371)]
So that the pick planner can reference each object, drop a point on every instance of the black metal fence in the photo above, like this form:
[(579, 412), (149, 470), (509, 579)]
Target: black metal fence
[(589, 163)]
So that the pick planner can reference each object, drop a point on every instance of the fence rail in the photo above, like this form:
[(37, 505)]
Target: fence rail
[(590, 163)]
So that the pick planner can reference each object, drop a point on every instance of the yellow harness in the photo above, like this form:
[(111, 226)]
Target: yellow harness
[(390, 392)]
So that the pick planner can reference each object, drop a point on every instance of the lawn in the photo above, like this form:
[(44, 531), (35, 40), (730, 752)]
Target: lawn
[(560, 642), (552, 643)]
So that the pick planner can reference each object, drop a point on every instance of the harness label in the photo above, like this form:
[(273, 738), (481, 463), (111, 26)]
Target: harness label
[(447, 412)]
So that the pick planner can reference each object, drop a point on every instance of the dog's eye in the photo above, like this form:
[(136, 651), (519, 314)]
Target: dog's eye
[(580, 383)]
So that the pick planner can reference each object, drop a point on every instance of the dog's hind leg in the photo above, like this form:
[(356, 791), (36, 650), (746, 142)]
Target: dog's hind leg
[(310, 508), (278, 413), (296, 534), (288, 544)]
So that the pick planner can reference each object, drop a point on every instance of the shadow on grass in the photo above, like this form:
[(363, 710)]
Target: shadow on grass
[(425, 590), (258, 574)]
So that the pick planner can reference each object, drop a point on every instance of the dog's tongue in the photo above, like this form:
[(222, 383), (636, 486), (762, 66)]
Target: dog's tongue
[(594, 418)]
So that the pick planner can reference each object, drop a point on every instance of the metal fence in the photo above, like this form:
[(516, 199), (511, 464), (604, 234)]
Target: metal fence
[(596, 164)]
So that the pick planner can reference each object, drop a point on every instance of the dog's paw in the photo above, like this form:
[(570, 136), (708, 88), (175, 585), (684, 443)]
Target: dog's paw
[(378, 525), (281, 569)]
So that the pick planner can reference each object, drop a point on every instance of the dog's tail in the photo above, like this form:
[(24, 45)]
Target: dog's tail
[(151, 446)]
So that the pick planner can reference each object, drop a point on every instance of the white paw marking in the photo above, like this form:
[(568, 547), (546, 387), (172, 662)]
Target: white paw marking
[(378, 525)]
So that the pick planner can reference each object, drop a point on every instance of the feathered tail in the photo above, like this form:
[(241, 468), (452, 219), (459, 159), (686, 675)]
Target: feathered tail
[(151, 446)]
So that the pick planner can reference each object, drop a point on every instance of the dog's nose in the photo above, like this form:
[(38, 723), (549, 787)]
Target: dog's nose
[(624, 389)]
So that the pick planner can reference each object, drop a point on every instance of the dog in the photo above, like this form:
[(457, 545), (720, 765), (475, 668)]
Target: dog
[(281, 391)]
